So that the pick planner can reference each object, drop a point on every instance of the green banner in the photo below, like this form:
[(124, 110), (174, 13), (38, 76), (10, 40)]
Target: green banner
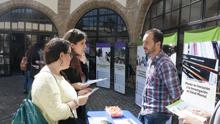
[(202, 35), (170, 39)]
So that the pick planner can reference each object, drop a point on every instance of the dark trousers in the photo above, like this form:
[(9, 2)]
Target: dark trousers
[(155, 118)]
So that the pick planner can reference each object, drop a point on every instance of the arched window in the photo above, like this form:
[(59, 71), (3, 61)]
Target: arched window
[(20, 28), (103, 25)]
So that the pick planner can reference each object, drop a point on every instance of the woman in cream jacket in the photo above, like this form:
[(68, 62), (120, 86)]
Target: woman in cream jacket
[(54, 96)]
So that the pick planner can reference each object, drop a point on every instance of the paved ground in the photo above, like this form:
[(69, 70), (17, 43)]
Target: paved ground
[(11, 95)]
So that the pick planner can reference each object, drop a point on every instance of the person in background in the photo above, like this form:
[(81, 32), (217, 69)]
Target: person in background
[(162, 85), (77, 73), (51, 93), (213, 118), (35, 61), (27, 72)]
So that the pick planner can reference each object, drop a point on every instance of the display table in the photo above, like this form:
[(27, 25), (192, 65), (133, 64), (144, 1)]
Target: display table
[(102, 117)]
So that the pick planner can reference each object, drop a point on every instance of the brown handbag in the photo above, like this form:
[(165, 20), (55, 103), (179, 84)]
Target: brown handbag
[(23, 63)]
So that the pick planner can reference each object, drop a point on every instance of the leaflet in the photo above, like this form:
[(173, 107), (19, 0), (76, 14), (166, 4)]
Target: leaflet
[(98, 120), (181, 108), (124, 121), (89, 82), (93, 90)]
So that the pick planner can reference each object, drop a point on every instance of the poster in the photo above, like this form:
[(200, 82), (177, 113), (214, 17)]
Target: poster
[(169, 46), (103, 59), (140, 72), (200, 67), (119, 67)]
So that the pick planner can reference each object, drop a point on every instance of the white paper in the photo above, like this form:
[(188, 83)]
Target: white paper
[(89, 82), (181, 108), (93, 90), (124, 121), (97, 120)]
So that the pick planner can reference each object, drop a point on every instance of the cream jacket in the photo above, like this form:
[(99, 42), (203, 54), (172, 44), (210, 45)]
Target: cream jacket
[(51, 94)]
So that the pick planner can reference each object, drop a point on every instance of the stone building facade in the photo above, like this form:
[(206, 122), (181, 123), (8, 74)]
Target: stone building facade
[(65, 14)]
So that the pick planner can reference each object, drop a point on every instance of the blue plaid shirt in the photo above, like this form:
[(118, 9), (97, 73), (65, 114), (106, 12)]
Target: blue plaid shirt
[(162, 85)]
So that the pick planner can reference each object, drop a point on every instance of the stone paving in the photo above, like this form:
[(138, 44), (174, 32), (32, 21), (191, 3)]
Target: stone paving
[(11, 95)]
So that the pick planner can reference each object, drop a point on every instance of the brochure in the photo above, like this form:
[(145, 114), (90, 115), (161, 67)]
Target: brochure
[(124, 121), (93, 90), (182, 108), (98, 120), (89, 82)]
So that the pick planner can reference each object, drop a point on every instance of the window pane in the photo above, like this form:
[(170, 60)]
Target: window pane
[(154, 11), (102, 11), (168, 5), (21, 25), (147, 22), (219, 9), (157, 22), (35, 26), (218, 23), (175, 4), (195, 11), (210, 24), (48, 27), (42, 27), (2, 25), (185, 15), (160, 8), (211, 8), (167, 22), (185, 2), (175, 18), (28, 26), (14, 25)]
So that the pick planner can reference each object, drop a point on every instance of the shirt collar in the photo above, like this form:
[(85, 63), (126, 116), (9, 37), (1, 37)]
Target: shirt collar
[(156, 58)]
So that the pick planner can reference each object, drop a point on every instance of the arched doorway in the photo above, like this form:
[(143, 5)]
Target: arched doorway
[(104, 25), (20, 28)]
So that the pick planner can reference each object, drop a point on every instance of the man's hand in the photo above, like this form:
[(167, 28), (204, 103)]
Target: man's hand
[(192, 120)]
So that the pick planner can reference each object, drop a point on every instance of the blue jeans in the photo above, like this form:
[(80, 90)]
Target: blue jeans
[(154, 118), (29, 80), (26, 81)]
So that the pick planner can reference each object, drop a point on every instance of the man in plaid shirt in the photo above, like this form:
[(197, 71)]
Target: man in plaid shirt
[(162, 85)]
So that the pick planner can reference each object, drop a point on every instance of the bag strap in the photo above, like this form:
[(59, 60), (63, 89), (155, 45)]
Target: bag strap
[(29, 95)]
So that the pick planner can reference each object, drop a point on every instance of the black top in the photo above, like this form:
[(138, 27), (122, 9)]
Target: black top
[(72, 76)]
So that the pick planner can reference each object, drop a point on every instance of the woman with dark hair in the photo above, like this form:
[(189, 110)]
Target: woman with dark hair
[(76, 74), (54, 96)]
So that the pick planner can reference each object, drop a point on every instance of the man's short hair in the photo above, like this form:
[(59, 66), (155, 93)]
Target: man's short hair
[(158, 35)]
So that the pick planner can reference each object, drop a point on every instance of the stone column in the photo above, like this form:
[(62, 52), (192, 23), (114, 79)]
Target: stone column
[(63, 14)]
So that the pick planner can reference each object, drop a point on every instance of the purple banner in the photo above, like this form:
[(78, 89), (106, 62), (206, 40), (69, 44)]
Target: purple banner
[(103, 45)]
